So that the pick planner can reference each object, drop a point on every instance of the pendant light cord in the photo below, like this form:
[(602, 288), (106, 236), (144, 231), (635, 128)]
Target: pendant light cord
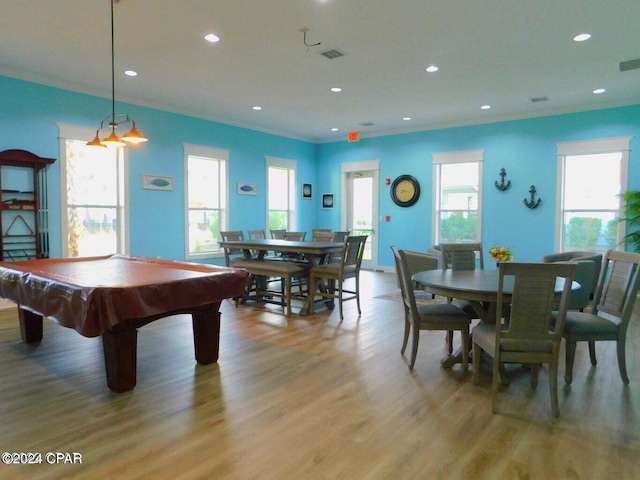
[(113, 76)]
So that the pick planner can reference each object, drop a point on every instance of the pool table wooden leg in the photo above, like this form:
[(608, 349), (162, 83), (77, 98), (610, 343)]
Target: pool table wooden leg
[(120, 358), (206, 336), (30, 326)]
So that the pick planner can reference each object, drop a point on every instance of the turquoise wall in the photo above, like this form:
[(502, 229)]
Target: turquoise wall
[(28, 112), (526, 148)]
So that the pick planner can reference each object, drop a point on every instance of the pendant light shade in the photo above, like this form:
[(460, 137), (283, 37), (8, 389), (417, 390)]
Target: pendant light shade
[(115, 120), (134, 136)]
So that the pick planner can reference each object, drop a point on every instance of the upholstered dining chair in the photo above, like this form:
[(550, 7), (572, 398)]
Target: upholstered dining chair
[(527, 335), (587, 274), (445, 316), (613, 304), (337, 273)]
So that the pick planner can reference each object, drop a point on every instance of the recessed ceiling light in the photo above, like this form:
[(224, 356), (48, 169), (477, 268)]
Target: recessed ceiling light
[(598, 91), (406, 118), (336, 89), (335, 129), (485, 107), (257, 107), (432, 68), (582, 37), (131, 73), (212, 38)]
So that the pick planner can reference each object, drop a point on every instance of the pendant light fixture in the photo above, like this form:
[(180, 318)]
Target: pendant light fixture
[(114, 120)]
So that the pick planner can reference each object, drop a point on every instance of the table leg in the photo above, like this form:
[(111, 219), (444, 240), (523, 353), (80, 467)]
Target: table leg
[(120, 359), (30, 326), (206, 336)]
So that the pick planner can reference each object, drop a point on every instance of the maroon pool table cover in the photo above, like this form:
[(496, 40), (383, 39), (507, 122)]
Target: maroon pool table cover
[(92, 295)]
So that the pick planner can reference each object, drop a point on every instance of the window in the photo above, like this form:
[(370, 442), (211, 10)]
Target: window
[(93, 196), (591, 176), (281, 186), (457, 196), (206, 200)]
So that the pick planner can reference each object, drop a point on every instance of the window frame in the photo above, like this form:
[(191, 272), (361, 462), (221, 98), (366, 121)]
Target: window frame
[(218, 155), (584, 148), (77, 133), (292, 172), (449, 158)]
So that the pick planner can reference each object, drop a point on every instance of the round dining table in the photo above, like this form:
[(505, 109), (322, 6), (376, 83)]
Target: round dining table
[(478, 287)]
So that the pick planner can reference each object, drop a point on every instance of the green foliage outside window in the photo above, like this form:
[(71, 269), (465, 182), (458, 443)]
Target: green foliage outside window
[(583, 233), (457, 228), (278, 220)]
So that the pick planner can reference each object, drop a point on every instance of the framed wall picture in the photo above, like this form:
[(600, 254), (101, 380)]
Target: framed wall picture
[(307, 190), (327, 200), (247, 188), (156, 182)]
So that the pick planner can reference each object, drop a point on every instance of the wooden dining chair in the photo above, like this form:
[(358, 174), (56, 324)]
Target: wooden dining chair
[(609, 319), (321, 235), (232, 255), (339, 236), (277, 234), (445, 316), (337, 274), (527, 335), (461, 256)]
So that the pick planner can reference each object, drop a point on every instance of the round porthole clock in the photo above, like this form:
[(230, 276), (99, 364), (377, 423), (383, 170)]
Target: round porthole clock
[(405, 190)]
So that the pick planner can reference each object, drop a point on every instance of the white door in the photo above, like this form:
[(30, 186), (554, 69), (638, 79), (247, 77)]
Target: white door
[(362, 211)]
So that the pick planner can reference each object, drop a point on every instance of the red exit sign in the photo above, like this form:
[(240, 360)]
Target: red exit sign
[(354, 136)]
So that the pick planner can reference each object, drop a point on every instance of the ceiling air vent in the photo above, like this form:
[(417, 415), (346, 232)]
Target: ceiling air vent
[(333, 53), (539, 99), (630, 65), (367, 124)]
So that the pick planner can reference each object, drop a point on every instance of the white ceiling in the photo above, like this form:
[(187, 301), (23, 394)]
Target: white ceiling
[(496, 52)]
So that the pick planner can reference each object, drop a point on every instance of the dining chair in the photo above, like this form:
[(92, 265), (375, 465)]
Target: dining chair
[(232, 255), (587, 274), (337, 273), (527, 335), (339, 236), (257, 234), (424, 317), (461, 256), (609, 319), (296, 236), (445, 316), (322, 235), (277, 234)]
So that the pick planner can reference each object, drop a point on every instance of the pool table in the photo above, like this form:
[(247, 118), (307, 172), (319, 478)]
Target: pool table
[(113, 296)]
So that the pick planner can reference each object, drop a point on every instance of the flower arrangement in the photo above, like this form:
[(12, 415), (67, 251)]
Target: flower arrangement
[(501, 254)]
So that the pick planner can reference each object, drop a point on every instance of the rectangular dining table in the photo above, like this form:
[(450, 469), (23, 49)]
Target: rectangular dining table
[(313, 253), (113, 296)]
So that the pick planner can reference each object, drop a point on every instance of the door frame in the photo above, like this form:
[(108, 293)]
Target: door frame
[(363, 166)]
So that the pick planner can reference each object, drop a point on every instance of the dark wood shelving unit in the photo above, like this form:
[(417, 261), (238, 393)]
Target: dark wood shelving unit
[(23, 207)]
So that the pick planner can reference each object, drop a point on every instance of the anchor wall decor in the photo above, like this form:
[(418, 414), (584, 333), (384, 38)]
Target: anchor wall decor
[(502, 186), (533, 203)]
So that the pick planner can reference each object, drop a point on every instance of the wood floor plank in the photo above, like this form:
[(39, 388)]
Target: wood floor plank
[(312, 398)]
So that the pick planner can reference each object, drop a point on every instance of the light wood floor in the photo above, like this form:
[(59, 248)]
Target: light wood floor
[(308, 398)]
